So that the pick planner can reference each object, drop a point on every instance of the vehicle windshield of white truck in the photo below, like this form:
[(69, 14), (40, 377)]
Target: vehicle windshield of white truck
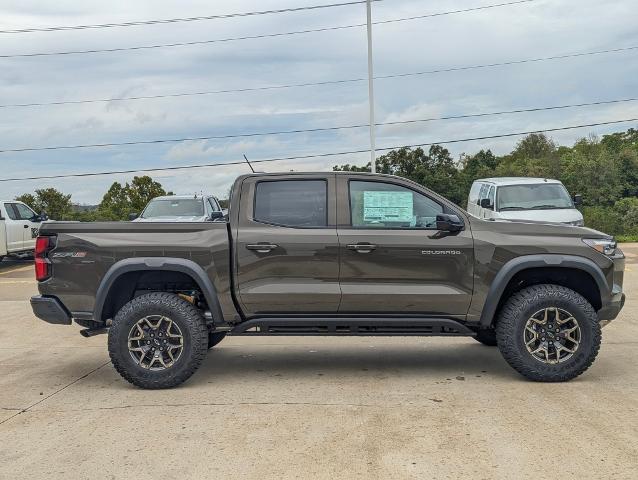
[(174, 208), (541, 196)]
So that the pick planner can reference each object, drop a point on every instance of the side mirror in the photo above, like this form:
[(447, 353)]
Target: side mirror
[(132, 216), (487, 203), (43, 217), (448, 223), (578, 200), (216, 216)]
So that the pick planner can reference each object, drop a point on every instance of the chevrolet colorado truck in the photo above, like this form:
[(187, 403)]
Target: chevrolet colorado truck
[(331, 254)]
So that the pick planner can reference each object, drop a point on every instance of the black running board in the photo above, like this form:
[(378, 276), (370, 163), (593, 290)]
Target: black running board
[(357, 326)]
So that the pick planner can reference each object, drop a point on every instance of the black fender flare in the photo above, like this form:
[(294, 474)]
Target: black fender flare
[(512, 267), (158, 264)]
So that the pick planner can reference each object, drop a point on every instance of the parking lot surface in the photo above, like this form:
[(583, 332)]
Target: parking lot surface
[(311, 407)]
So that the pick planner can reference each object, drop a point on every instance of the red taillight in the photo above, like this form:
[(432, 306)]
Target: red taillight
[(42, 263)]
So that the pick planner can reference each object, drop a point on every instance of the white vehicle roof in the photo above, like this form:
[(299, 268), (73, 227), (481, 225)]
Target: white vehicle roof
[(501, 181), (183, 197)]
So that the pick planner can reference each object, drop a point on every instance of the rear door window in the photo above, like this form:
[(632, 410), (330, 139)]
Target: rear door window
[(292, 203)]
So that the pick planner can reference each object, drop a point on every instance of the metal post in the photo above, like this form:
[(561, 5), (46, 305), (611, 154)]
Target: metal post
[(373, 156)]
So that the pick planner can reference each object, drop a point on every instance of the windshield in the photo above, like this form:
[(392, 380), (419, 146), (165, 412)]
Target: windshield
[(533, 197), (189, 207)]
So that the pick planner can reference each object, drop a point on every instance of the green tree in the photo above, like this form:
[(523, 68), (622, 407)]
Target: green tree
[(119, 201), (141, 191), (590, 169), (56, 204), (115, 204), (435, 169), (29, 199)]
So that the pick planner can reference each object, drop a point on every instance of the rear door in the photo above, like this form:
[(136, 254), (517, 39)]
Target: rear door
[(393, 258), (286, 248)]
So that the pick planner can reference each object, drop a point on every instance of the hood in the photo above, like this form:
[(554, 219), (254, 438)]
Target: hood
[(173, 219), (531, 228), (563, 215)]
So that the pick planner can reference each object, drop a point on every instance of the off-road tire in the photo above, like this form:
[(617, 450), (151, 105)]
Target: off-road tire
[(517, 311), (214, 338), (189, 320), (486, 337)]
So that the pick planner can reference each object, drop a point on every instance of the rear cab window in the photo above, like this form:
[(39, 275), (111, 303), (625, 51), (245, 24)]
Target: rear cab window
[(292, 203)]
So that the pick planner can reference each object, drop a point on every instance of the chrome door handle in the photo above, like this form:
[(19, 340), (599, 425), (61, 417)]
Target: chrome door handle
[(261, 247), (362, 247)]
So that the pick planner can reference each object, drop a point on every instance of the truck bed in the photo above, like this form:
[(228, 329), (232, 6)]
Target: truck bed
[(85, 252)]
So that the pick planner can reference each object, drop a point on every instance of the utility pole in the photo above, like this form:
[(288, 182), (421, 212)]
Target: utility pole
[(373, 156)]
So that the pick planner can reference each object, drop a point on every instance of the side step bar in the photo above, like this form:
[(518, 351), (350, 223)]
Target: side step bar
[(357, 326)]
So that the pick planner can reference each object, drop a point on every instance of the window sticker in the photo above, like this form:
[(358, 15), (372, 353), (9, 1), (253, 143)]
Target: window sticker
[(387, 206)]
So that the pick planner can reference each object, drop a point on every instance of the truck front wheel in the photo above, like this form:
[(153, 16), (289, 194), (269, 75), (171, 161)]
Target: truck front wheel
[(157, 340), (548, 333)]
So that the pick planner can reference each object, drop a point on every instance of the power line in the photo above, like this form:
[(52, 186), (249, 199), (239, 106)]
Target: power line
[(254, 37), (313, 130), (512, 62), (321, 155), (181, 20), (327, 82), (181, 44)]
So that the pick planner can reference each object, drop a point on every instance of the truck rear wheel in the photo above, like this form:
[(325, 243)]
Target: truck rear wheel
[(158, 340), (548, 333)]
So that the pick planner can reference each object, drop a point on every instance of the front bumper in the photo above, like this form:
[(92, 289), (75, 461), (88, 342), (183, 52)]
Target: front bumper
[(51, 310), (611, 310)]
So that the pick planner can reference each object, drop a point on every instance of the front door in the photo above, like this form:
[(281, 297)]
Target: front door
[(287, 253), (393, 258), (16, 228), (30, 228)]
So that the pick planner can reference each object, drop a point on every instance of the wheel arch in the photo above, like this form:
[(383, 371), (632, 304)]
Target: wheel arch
[(593, 287), (155, 264)]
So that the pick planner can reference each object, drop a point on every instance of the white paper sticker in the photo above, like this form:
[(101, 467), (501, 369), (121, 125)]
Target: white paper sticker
[(387, 207)]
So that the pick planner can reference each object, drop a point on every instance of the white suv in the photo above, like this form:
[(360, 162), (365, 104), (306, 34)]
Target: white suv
[(19, 226), (522, 198)]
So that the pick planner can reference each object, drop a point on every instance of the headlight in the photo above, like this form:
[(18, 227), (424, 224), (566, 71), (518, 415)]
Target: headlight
[(577, 223), (604, 246)]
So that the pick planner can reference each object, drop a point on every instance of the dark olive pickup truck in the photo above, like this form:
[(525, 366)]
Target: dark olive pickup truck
[(331, 254)]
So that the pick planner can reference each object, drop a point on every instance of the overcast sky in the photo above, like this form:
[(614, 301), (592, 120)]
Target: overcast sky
[(537, 29)]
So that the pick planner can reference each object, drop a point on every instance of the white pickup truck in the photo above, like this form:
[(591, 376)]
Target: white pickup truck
[(19, 226)]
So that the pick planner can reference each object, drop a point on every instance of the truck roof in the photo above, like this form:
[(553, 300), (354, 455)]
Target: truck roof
[(501, 181)]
